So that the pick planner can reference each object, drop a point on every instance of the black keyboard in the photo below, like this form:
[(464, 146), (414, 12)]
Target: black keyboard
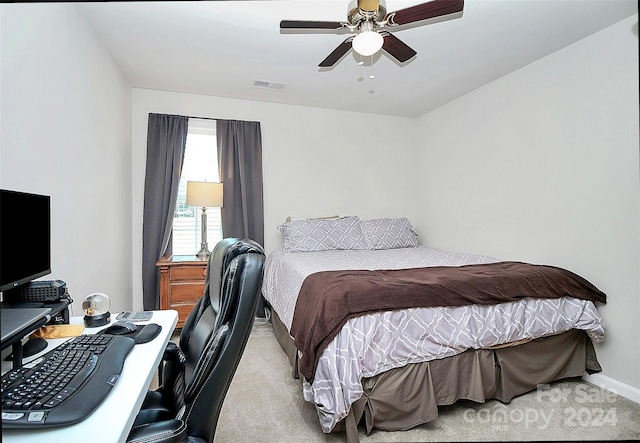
[(65, 385)]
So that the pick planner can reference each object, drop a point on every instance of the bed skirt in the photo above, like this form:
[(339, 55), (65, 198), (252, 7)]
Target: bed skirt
[(409, 396)]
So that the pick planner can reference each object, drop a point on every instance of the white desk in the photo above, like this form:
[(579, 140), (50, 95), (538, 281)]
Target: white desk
[(112, 420)]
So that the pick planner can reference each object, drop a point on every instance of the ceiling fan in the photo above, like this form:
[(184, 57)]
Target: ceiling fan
[(371, 24)]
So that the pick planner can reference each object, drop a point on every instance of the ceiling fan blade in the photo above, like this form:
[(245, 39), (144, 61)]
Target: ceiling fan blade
[(369, 5), (424, 11), (396, 47), (337, 54), (309, 24)]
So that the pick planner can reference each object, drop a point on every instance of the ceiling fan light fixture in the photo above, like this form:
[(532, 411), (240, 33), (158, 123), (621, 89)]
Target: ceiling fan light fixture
[(371, 23), (367, 43)]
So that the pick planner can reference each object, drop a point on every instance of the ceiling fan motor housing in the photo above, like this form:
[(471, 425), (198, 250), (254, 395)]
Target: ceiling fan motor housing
[(354, 14)]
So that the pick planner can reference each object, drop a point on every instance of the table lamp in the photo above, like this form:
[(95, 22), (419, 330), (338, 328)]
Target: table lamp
[(204, 194)]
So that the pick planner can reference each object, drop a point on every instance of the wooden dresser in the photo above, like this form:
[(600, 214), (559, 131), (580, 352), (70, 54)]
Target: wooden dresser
[(182, 279)]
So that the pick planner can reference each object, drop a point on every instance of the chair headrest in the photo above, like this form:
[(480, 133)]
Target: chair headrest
[(224, 252), (229, 248), (244, 274), (246, 246)]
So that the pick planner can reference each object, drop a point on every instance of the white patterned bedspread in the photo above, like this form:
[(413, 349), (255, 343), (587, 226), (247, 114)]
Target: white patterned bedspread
[(376, 342)]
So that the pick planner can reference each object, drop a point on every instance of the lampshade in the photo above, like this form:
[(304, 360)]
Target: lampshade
[(367, 43), (204, 194)]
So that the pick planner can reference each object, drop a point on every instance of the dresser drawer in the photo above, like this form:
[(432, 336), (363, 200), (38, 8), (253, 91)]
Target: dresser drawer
[(182, 293), (178, 273)]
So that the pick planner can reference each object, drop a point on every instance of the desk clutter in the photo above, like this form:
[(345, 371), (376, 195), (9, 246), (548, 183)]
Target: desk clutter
[(65, 385), (43, 291), (52, 294), (135, 370), (58, 331), (140, 333), (96, 309), (19, 319)]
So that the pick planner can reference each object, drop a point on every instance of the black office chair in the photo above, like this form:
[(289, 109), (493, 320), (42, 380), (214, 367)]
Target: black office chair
[(187, 405), (173, 359), (223, 252)]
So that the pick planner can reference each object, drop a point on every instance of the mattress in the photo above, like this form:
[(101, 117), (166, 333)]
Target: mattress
[(374, 343)]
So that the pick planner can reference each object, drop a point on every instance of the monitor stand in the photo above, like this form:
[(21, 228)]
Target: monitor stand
[(29, 348), (33, 346)]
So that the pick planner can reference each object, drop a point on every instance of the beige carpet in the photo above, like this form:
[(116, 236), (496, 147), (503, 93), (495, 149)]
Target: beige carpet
[(265, 404)]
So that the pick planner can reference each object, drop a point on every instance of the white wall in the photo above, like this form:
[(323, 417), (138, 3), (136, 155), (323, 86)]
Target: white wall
[(542, 165), (315, 161), (65, 111)]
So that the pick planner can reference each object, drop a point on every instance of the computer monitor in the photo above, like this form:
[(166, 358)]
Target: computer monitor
[(25, 238)]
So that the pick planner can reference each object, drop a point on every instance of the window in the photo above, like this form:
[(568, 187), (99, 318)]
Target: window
[(200, 164)]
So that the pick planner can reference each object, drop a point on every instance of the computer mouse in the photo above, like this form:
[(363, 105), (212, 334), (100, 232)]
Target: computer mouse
[(121, 327)]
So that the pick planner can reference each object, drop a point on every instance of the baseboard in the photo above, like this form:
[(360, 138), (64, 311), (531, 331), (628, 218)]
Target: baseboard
[(614, 386)]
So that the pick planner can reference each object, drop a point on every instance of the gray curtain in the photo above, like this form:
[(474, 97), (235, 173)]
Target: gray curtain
[(166, 141), (240, 164)]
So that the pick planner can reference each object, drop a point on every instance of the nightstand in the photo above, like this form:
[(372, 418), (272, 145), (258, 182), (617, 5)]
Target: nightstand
[(182, 281)]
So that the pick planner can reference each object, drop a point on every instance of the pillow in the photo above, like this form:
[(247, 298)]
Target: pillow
[(389, 233), (316, 234), (295, 217)]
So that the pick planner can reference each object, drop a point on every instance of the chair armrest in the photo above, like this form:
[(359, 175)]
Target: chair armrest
[(153, 410), (172, 352), (171, 366), (169, 431)]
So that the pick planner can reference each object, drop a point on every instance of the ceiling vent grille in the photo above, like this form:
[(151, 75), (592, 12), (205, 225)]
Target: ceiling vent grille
[(269, 85)]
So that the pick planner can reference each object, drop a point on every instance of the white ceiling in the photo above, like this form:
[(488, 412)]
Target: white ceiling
[(221, 47)]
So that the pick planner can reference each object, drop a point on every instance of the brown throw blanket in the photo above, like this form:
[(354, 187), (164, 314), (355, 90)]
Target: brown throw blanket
[(328, 299)]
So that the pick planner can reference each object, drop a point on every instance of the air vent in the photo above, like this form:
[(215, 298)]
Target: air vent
[(269, 85)]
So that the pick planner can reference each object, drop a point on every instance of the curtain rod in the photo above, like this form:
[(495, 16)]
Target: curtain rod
[(204, 118)]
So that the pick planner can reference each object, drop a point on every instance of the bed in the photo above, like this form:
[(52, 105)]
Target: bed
[(392, 367)]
